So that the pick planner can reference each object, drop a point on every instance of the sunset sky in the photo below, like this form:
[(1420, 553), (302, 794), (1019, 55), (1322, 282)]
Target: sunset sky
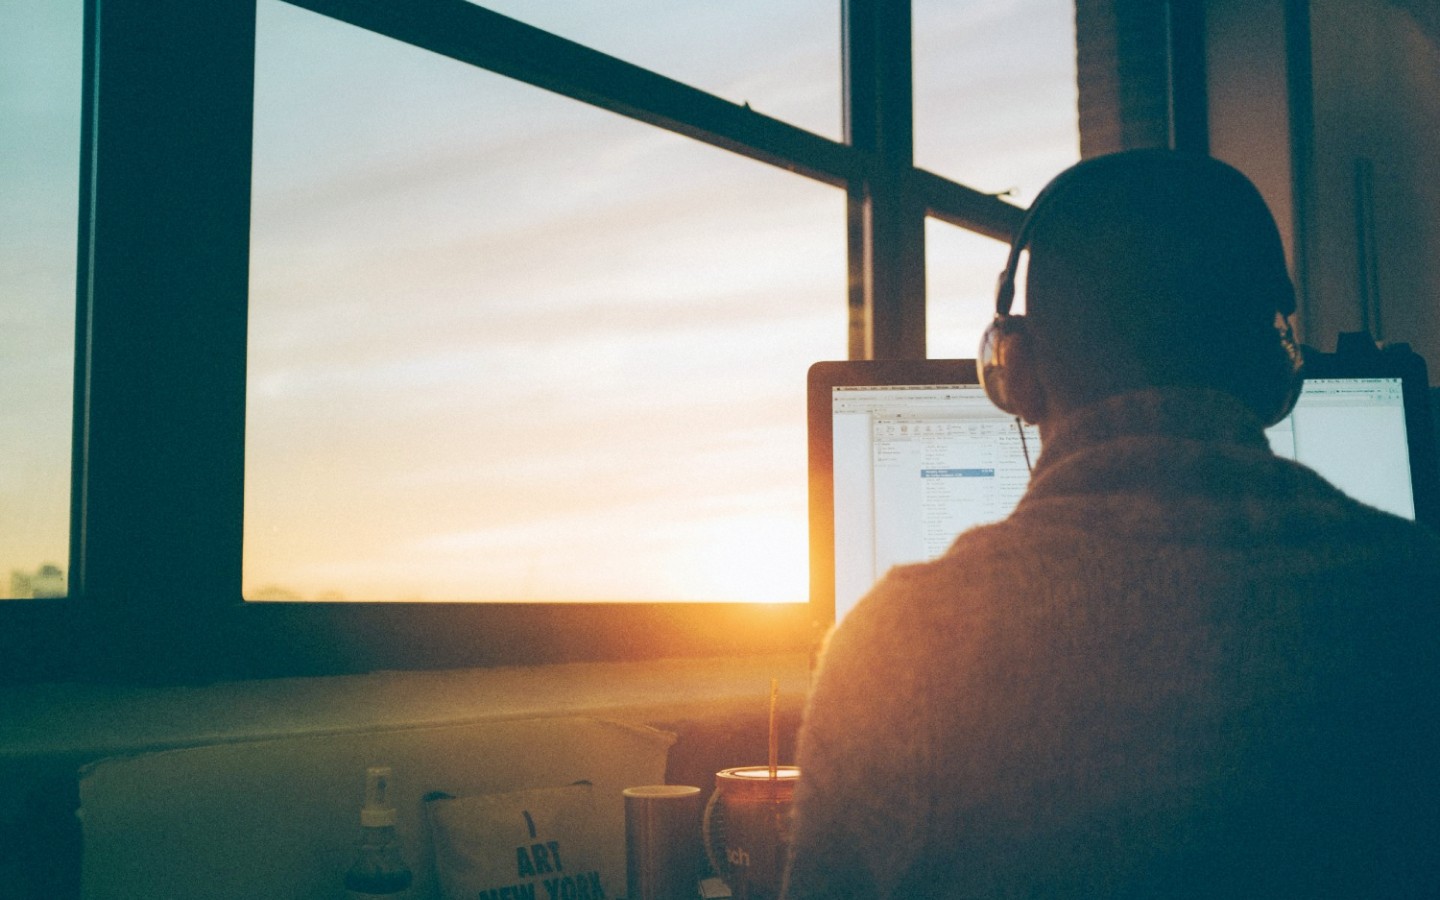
[(39, 172), (508, 346)]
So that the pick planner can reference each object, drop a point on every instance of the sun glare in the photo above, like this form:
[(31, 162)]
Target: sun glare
[(757, 559)]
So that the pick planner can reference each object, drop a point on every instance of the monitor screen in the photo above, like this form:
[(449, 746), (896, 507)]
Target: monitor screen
[(1353, 432), (915, 465), (907, 455)]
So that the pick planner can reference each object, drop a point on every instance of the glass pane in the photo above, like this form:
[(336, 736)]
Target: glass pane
[(780, 56), (995, 92), (506, 346), (960, 271), (40, 64)]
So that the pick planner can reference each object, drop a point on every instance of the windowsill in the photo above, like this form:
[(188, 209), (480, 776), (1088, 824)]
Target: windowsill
[(91, 721)]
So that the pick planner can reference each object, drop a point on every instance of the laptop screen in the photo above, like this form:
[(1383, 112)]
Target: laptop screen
[(909, 454)]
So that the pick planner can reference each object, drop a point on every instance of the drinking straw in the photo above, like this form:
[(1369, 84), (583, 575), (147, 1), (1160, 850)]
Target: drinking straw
[(774, 735)]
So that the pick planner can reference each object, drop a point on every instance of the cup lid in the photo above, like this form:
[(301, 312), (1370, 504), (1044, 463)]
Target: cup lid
[(759, 773), (661, 790)]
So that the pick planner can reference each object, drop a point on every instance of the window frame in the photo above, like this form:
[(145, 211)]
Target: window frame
[(162, 283)]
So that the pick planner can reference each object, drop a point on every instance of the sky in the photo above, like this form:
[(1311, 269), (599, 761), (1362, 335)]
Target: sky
[(504, 345), (39, 169)]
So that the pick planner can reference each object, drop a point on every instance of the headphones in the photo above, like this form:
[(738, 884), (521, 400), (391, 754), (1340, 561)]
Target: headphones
[(1005, 359)]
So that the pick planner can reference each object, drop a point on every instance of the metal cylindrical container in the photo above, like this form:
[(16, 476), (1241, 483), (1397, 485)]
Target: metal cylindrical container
[(662, 841)]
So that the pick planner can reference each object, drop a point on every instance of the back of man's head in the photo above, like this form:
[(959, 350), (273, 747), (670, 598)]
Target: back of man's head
[(1154, 268)]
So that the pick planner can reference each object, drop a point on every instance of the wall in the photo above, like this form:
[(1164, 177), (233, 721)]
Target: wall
[(1376, 90), (1322, 103)]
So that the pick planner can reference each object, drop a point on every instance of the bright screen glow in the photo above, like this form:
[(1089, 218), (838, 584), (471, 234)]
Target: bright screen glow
[(915, 465), (1353, 431)]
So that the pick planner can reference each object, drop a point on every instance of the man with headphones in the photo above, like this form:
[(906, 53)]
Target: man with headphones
[(1184, 666)]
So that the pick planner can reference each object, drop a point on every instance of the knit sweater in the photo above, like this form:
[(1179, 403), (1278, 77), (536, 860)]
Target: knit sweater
[(1182, 667)]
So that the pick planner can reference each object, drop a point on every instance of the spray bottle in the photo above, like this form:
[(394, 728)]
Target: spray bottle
[(379, 870)]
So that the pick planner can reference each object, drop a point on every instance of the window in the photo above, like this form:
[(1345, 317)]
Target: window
[(996, 93), (781, 57), (995, 107), (40, 54), (316, 260), (960, 271), (507, 346)]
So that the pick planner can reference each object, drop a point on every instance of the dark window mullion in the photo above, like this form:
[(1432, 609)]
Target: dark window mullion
[(887, 261), (161, 391)]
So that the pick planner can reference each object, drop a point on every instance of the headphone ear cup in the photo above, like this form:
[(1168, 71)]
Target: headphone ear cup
[(1005, 368), (1277, 401)]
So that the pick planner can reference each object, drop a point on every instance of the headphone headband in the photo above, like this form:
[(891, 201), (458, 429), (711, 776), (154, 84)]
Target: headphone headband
[(1024, 232), (1005, 286)]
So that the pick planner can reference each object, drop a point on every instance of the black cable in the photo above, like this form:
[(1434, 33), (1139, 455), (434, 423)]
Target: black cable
[(1024, 447)]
